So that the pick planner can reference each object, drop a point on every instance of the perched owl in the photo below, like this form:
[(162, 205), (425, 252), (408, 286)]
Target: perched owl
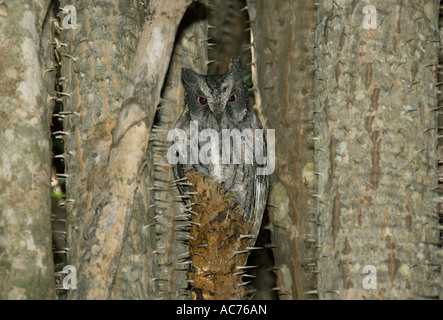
[(221, 102)]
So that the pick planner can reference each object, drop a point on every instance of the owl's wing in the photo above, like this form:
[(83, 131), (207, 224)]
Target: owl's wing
[(258, 203), (259, 195)]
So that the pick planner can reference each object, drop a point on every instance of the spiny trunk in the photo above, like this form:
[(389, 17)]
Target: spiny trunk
[(375, 149), (166, 208), (283, 92), (113, 107)]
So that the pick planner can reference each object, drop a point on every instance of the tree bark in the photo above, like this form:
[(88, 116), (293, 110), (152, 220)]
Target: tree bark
[(109, 151), (165, 208), (375, 149), (283, 92), (26, 266)]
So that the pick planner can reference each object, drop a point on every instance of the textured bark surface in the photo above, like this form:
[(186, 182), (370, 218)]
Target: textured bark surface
[(376, 148), (166, 208), (107, 151), (228, 20), (218, 242), (26, 267), (96, 81), (283, 89), (440, 145)]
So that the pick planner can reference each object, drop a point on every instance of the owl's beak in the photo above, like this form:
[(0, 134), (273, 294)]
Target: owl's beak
[(217, 108)]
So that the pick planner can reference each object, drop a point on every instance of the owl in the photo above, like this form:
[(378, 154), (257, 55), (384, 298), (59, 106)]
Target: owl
[(221, 103)]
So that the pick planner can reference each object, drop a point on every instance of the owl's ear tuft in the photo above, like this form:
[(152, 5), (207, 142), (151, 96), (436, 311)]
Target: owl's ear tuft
[(237, 68), (189, 76)]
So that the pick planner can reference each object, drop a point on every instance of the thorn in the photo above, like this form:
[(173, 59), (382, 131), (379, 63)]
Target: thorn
[(247, 236), (211, 62), (160, 279), (62, 232), (62, 175), (179, 217), (243, 283), (192, 212), (184, 183), (245, 267), (241, 251), (238, 252), (64, 133), (69, 56), (429, 129), (271, 246), (254, 248), (184, 255), (58, 44), (67, 113)]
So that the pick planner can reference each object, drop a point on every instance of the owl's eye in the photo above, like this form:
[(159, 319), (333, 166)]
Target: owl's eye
[(202, 100), (232, 98)]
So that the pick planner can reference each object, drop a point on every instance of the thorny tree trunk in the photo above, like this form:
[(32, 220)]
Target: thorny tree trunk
[(26, 267), (105, 152), (167, 224), (283, 90), (375, 149), (96, 81)]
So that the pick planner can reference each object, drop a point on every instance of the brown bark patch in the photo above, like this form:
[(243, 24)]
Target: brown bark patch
[(216, 243)]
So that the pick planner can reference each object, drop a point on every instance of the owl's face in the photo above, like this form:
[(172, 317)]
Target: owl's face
[(217, 96)]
